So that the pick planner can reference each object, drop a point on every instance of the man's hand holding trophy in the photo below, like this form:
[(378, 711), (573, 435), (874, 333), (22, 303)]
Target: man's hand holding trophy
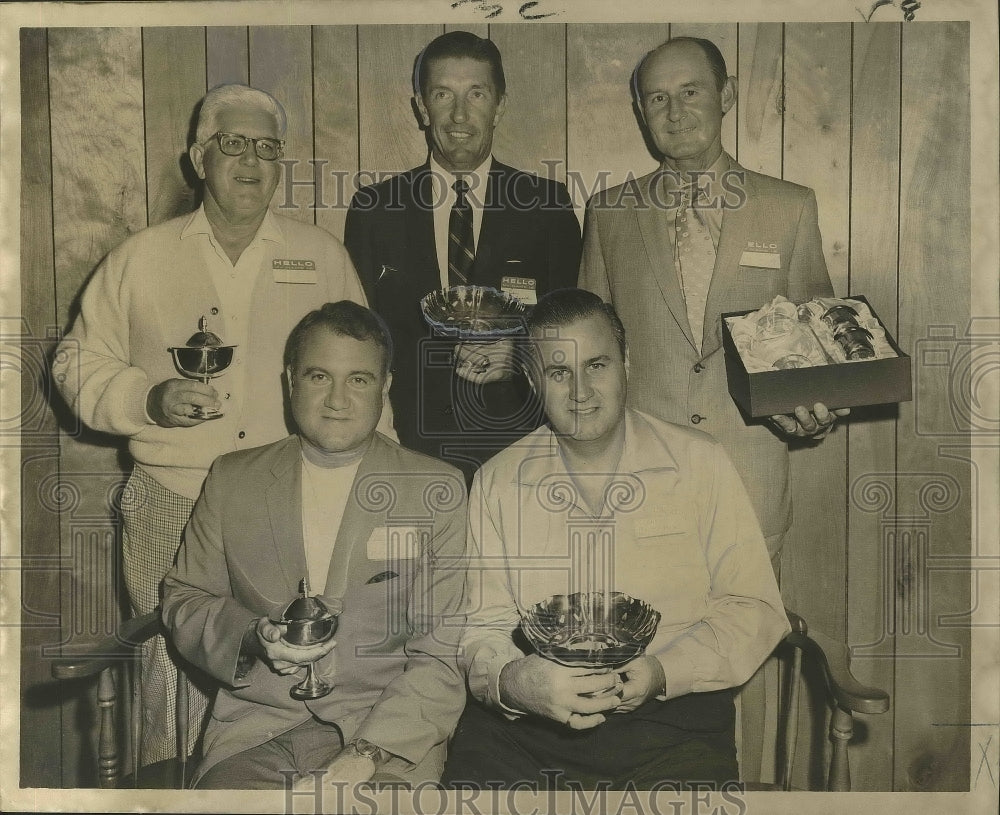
[(183, 402)]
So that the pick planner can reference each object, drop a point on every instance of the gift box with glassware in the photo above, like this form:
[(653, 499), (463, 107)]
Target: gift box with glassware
[(830, 349)]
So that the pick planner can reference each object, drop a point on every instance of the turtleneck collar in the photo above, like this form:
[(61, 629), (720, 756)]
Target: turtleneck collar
[(330, 460)]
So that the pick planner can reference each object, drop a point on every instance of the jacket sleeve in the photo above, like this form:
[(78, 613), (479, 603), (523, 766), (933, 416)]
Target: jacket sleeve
[(357, 231), (593, 274), (564, 246), (807, 272), (92, 368), (420, 707), (205, 621), (745, 617)]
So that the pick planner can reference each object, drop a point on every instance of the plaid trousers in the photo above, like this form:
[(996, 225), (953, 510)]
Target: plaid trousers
[(153, 520)]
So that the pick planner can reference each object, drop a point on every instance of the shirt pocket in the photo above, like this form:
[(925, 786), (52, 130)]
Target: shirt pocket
[(675, 540), (671, 574)]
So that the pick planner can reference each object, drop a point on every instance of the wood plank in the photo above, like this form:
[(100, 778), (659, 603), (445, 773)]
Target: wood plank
[(872, 432), (605, 143), (817, 123), (479, 29), (99, 198), (817, 129), (335, 127), (173, 65), (932, 691), (281, 64), (532, 134), (37, 262), (760, 106), (41, 719), (726, 39), (390, 133), (817, 64), (227, 52)]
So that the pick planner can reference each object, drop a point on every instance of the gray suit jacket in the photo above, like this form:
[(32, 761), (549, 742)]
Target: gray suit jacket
[(394, 669), (628, 260)]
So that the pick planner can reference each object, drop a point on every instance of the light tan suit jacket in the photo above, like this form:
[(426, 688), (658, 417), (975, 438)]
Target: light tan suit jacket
[(628, 261), (394, 669)]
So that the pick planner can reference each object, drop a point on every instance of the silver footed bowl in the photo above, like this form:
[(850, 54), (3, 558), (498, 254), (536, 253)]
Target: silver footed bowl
[(590, 629), (309, 621), (473, 312)]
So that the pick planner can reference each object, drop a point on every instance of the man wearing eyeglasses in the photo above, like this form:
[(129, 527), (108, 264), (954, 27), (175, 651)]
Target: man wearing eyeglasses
[(252, 274)]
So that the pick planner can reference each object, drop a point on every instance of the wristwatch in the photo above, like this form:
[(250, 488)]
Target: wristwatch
[(365, 748)]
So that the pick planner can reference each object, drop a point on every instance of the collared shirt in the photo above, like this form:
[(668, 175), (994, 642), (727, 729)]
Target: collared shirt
[(234, 282), (677, 531), (444, 199)]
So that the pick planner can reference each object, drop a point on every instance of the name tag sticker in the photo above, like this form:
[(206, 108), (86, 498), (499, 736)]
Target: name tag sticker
[(523, 288), (765, 260), (288, 270), (395, 543)]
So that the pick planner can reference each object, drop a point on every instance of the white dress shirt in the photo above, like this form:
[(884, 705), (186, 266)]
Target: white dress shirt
[(444, 200)]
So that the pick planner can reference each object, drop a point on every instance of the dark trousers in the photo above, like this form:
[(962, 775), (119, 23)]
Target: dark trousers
[(688, 740)]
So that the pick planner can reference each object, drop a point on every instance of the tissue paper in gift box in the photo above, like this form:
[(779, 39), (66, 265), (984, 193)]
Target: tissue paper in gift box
[(836, 385)]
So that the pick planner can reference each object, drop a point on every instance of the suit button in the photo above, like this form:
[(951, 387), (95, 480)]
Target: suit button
[(448, 410), (215, 310), (696, 419), (242, 434), (698, 368)]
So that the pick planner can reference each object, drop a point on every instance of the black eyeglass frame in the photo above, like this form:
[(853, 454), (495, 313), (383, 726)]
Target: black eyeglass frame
[(279, 145)]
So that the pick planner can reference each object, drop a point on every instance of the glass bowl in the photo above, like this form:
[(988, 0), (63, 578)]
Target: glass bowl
[(473, 312), (590, 629)]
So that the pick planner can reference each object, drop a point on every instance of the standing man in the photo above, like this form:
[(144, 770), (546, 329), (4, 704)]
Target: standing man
[(460, 218), (378, 530), (700, 236), (252, 274), (608, 499)]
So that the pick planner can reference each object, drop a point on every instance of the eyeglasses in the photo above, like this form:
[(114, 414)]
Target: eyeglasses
[(234, 144)]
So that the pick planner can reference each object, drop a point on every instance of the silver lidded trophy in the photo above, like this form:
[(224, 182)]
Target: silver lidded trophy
[(203, 357), (308, 621)]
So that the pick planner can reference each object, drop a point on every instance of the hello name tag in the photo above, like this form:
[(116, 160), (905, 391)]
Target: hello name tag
[(523, 288), (395, 542), (765, 260), (289, 270)]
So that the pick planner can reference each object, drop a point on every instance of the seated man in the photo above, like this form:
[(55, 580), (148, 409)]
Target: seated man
[(378, 530), (609, 499)]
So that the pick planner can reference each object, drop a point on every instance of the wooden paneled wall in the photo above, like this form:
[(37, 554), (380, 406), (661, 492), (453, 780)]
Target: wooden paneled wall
[(874, 117)]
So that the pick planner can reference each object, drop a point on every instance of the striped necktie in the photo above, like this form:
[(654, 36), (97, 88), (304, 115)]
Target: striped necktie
[(461, 248)]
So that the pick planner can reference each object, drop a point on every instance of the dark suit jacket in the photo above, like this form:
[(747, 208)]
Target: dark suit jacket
[(628, 260), (529, 229), (394, 670)]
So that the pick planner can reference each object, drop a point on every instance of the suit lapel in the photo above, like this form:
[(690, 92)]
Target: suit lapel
[(653, 226), (495, 214), (357, 524), (284, 508), (417, 200), (737, 224)]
